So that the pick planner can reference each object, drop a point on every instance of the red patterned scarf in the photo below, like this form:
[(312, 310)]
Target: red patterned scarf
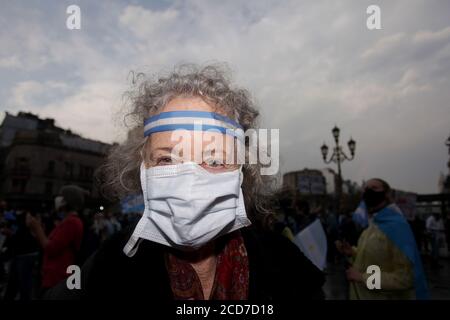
[(231, 277)]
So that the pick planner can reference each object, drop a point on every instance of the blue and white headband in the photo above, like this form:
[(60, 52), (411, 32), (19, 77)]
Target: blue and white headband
[(192, 121)]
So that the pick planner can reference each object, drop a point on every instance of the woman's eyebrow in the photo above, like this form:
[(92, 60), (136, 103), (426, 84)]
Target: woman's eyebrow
[(167, 149), (155, 151)]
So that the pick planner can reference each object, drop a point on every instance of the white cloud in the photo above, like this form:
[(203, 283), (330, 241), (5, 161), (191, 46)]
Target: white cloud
[(428, 37), (89, 111), (24, 43), (9, 62), (145, 23), (23, 93), (26, 94), (386, 46)]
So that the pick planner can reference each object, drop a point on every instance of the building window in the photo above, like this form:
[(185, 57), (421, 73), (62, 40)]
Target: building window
[(51, 167), (21, 166), (89, 172), (19, 185), (82, 172), (69, 170), (86, 172)]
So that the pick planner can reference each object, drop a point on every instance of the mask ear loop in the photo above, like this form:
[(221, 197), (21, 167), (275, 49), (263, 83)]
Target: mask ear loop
[(133, 243), (241, 174)]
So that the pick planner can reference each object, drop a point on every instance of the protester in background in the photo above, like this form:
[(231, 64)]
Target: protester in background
[(303, 215), (332, 231), (91, 240), (99, 227), (62, 245), (436, 231), (447, 231), (112, 225), (3, 237), (22, 248), (285, 202), (418, 228), (124, 220), (275, 225), (388, 243), (348, 231)]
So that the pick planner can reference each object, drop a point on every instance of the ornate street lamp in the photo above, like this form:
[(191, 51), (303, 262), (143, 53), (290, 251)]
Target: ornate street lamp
[(335, 133), (447, 143), (338, 156), (324, 150), (352, 146)]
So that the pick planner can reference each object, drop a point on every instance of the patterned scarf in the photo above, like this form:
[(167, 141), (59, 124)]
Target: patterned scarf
[(231, 278)]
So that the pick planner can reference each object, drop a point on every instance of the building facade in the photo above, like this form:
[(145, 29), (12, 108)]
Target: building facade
[(37, 158), (306, 181)]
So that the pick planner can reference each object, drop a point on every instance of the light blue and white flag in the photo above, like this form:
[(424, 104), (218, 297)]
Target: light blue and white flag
[(192, 120), (133, 204), (394, 225), (312, 241), (360, 216)]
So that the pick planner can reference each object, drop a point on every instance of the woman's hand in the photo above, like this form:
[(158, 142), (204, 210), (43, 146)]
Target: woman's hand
[(36, 229), (33, 224), (354, 275), (344, 247)]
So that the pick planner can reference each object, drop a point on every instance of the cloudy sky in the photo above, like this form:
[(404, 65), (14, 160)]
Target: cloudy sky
[(309, 64)]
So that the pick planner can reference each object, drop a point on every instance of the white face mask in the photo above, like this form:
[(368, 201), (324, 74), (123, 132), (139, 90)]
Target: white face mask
[(186, 206)]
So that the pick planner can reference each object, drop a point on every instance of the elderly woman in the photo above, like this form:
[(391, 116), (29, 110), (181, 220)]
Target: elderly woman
[(200, 236)]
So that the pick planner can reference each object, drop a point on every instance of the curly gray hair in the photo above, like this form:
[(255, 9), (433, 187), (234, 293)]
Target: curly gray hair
[(212, 83)]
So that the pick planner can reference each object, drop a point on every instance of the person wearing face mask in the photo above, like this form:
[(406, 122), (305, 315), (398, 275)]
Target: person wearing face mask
[(199, 236), (388, 243), (436, 231)]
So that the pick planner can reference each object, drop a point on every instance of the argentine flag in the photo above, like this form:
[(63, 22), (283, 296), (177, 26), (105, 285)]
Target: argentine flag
[(312, 241), (360, 216)]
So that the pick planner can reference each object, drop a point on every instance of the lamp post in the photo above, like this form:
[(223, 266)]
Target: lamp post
[(447, 180), (447, 143), (338, 156)]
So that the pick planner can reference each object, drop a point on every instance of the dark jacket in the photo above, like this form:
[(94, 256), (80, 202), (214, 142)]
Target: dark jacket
[(278, 271)]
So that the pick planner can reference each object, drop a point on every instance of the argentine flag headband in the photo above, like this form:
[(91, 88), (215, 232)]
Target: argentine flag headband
[(192, 121)]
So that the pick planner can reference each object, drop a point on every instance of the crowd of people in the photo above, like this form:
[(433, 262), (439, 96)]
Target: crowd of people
[(36, 248), (386, 239), (294, 213)]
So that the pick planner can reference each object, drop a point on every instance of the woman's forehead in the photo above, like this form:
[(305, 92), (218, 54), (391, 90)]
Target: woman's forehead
[(195, 139), (203, 139)]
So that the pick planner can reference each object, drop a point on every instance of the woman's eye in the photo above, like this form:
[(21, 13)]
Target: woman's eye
[(164, 161)]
